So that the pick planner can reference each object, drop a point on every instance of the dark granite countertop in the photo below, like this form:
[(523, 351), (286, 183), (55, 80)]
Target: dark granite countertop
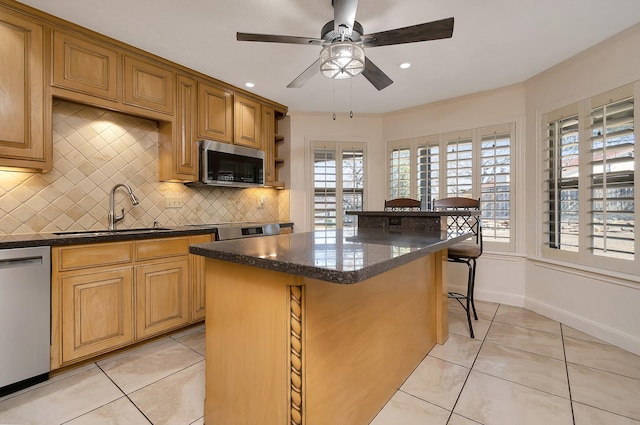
[(52, 239), (100, 236), (339, 256)]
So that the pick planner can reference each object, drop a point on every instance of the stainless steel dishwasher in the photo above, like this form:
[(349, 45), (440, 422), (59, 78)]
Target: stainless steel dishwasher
[(25, 317)]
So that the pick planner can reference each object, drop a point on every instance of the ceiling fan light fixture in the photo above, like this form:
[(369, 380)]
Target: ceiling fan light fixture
[(342, 60)]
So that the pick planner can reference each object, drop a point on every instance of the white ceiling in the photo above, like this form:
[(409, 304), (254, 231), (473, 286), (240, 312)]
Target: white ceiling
[(495, 43)]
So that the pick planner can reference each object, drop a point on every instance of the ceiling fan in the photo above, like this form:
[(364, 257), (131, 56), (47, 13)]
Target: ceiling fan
[(343, 41)]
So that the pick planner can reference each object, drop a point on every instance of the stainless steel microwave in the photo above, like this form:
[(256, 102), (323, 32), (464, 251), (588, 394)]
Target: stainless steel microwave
[(224, 164)]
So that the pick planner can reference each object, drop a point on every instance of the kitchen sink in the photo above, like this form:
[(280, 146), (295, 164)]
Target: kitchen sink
[(110, 232)]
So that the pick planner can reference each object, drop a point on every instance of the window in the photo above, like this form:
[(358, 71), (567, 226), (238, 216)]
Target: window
[(495, 186), (338, 176), (612, 170), (470, 163), (460, 168), (400, 173), (562, 181), (590, 181), (428, 176)]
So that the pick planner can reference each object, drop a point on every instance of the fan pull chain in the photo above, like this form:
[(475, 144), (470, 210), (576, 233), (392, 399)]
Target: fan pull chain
[(351, 98), (334, 100)]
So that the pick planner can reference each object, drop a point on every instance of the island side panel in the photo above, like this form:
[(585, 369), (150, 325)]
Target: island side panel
[(363, 340), (247, 344), (442, 296)]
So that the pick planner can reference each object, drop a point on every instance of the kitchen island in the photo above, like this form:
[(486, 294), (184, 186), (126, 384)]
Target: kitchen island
[(320, 327)]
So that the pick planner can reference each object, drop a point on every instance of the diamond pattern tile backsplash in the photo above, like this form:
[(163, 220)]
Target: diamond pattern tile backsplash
[(95, 149)]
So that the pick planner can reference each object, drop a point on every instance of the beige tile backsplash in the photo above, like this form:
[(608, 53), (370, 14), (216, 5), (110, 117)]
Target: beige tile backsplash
[(95, 149)]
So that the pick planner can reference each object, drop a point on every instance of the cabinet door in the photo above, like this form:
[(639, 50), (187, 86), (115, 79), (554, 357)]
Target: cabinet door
[(198, 280), (178, 144), (84, 67), (23, 142), (148, 85), (215, 113), (268, 142), (162, 296), (96, 312), (247, 118)]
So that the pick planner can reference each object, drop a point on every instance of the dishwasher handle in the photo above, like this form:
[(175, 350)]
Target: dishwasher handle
[(9, 263)]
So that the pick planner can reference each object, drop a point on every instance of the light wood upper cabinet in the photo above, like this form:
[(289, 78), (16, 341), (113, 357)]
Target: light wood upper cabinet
[(248, 122), (186, 140), (84, 67), (24, 108), (215, 113), (148, 85), (178, 143)]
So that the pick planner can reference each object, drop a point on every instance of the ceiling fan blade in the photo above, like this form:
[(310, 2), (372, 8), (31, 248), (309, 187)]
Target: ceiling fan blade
[(269, 38), (435, 30), (344, 15), (306, 75), (375, 75)]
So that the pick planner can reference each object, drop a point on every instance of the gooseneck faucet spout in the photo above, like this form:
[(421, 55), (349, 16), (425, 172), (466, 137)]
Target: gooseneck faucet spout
[(113, 217)]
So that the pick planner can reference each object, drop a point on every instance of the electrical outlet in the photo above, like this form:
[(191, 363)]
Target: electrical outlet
[(173, 201)]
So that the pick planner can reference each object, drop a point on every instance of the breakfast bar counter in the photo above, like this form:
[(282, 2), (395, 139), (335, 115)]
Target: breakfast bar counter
[(320, 327)]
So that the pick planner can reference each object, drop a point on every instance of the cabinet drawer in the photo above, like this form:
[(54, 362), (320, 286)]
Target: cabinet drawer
[(160, 248), (94, 255)]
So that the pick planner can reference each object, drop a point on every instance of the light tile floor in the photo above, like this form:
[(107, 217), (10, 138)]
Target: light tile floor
[(521, 369)]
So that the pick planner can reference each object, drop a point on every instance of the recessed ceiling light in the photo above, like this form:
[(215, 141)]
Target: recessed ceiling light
[(249, 85), (404, 65)]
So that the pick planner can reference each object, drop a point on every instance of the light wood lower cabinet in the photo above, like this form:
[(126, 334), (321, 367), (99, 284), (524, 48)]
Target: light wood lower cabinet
[(162, 297), (97, 312), (109, 295)]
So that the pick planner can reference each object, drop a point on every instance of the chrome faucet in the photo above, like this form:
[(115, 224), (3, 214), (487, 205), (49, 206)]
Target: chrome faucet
[(113, 218)]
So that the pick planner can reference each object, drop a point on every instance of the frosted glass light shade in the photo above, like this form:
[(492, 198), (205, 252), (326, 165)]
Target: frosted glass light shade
[(342, 60)]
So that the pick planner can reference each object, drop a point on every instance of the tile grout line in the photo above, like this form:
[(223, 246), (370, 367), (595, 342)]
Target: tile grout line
[(566, 368), (471, 368), (125, 394)]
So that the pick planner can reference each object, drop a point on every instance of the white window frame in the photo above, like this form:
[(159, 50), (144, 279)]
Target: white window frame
[(339, 148), (475, 135), (584, 256)]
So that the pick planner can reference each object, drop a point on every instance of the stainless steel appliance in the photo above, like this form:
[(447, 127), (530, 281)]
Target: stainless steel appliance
[(224, 164), (25, 317), (237, 230), (246, 230)]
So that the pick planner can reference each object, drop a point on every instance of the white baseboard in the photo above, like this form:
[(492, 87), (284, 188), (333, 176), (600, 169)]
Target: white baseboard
[(597, 330), (607, 334), (491, 296)]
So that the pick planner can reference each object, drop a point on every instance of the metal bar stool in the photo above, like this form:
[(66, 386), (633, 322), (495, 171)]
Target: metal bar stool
[(466, 252)]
